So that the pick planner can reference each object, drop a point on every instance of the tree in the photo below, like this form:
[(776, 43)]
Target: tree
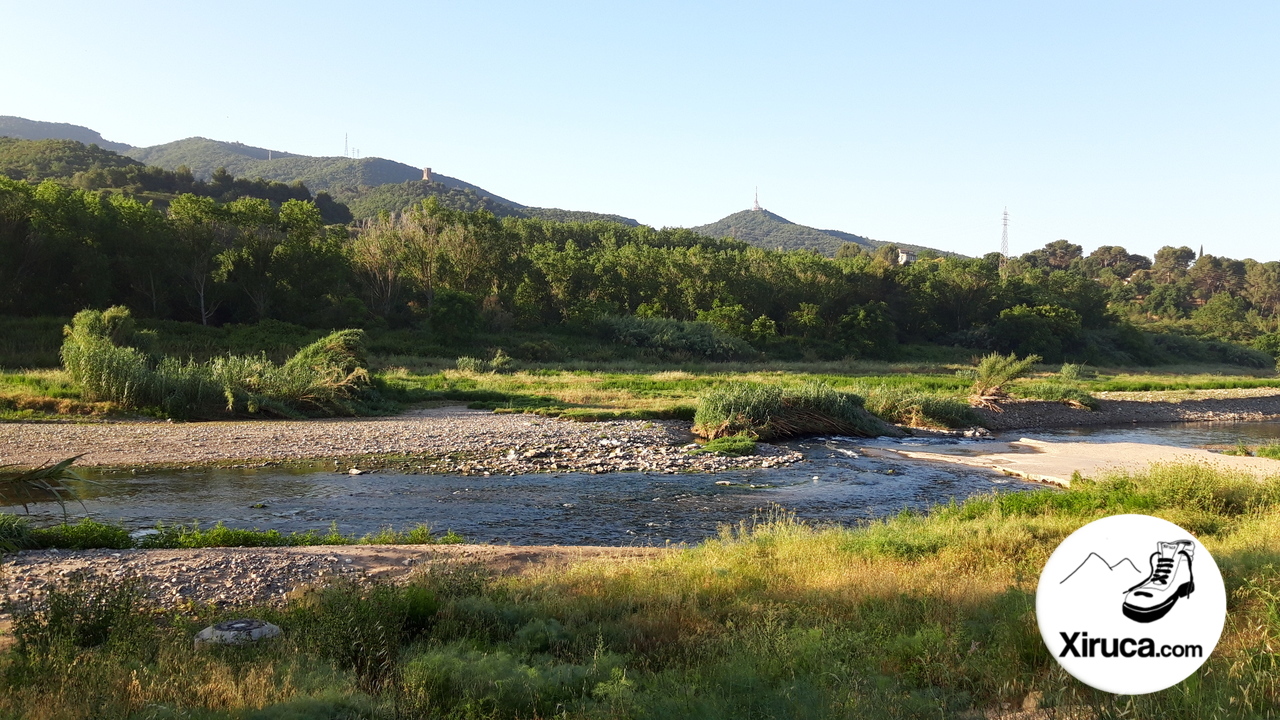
[(1057, 255), (380, 256), (1171, 263), (1262, 286)]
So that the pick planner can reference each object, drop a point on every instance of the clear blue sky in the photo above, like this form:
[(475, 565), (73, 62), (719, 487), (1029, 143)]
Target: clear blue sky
[(1131, 123)]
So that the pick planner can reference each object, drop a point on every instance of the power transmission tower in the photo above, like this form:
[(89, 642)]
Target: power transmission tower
[(1004, 247)]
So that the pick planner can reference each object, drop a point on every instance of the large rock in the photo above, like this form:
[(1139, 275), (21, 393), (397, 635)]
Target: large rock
[(237, 632)]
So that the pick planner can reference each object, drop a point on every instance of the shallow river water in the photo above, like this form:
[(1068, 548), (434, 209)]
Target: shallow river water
[(834, 484)]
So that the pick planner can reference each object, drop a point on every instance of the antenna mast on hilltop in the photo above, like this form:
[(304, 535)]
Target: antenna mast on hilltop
[(346, 152), (1004, 246), (755, 206)]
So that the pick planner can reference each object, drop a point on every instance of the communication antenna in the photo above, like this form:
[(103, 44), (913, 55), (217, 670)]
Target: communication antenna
[(346, 151), (1004, 246), (755, 206)]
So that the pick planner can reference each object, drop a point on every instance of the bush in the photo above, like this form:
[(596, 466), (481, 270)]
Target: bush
[(768, 412), (501, 362), (83, 611), (84, 535), (913, 408), (1047, 330), (674, 339), (15, 533), (362, 628), (994, 371), (327, 377), (1053, 391)]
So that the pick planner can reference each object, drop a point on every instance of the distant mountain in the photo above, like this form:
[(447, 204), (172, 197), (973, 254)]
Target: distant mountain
[(25, 129), (203, 156), (771, 231), (768, 230), (392, 198)]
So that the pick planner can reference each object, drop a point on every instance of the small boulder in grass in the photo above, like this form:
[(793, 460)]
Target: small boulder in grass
[(236, 632)]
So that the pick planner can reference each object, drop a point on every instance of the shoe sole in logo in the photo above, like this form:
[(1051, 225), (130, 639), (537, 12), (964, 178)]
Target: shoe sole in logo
[(1151, 614)]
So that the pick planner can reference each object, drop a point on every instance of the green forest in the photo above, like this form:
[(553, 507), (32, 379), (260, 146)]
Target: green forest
[(82, 227)]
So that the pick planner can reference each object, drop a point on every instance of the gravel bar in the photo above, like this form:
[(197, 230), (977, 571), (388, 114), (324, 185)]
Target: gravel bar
[(436, 440), (230, 577), (1124, 408)]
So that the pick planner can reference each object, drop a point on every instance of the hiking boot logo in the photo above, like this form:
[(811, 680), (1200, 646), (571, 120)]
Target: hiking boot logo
[(1105, 604), (1171, 578)]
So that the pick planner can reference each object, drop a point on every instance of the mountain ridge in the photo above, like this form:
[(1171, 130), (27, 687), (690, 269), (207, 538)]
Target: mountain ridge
[(14, 126), (373, 185)]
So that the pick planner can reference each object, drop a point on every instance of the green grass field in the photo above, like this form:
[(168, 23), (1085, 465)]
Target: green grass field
[(911, 393), (919, 616)]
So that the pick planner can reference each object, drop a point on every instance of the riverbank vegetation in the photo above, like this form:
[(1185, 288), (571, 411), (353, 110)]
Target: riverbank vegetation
[(87, 534), (917, 616), (108, 360)]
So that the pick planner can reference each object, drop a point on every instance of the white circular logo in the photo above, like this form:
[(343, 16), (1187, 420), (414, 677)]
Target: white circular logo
[(1131, 604)]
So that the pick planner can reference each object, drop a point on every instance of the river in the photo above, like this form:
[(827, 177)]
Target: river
[(836, 483)]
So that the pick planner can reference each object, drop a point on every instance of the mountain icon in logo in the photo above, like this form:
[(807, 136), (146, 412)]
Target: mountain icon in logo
[(1171, 578), (1095, 570)]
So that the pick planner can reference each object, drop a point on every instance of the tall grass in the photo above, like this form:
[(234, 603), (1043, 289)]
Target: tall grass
[(105, 357), (770, 412)]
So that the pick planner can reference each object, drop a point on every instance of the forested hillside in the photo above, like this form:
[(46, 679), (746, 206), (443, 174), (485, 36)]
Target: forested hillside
[(441, 274), (369, 202), (73, 164)]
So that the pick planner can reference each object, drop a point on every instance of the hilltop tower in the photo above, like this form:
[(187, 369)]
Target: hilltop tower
[(755, 206), (426, 174), (1004, 246)]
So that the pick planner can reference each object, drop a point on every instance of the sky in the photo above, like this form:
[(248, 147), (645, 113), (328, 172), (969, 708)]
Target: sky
[(1139, 124)]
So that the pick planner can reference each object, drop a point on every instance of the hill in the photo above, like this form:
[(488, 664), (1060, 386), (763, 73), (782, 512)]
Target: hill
[(24, 129), (366, 202), (90, 167), (338, 175), (37, 160), (769, 230), (772, 231)]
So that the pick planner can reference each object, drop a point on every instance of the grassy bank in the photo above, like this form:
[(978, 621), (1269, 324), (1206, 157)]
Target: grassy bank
[(919, 616), (913, 393)]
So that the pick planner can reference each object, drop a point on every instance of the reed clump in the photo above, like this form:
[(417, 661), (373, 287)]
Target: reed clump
[(770, 412), (110, 362)]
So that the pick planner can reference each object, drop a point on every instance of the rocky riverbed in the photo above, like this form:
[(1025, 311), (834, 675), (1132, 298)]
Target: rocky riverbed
[(438, 440)]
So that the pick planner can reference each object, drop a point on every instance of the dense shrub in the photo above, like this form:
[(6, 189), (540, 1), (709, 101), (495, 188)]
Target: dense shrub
[(673, 338), (768, 412), (327, 377)]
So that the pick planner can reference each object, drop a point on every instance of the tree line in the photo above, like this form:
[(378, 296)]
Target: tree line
[(446, 272)]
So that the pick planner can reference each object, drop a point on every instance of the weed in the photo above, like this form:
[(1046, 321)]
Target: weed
[(728, 445), (83, 535), (15, 533), (84, 610), (1270, 450)]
